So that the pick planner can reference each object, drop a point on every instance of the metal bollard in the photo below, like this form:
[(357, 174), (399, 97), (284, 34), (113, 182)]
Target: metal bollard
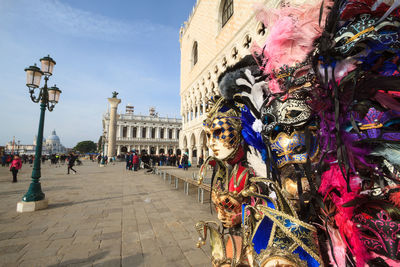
[(186, 188), (200, 195), (176, 182)]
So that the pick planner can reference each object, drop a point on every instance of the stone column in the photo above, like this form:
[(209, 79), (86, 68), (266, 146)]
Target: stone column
[(191, 154), (199, 152), (113, 125), (118, 150), (198, 109), (129, 132), (205, 154)]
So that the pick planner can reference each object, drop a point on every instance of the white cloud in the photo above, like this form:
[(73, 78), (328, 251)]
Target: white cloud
[(63, 18)]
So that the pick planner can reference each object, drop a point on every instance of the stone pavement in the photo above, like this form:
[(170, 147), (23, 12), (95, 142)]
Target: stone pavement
[(100, 217)]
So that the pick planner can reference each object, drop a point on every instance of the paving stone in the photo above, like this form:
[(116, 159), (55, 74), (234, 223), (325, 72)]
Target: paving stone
[(113, 235), (136, 260), (7, 235), (41, 261), (196, 257), (187, 245), (11, 249), (172, 253)]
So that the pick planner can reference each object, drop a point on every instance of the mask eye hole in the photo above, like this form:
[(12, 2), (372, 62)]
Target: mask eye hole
[(268, 119), (300, 150), (368, 234), (394, 124), (293, 113), (217, 132)]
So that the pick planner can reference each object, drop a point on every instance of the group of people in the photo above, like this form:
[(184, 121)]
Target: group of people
[(306, 142), (132, 161), (6, 159), (16, 162), (136, 161)]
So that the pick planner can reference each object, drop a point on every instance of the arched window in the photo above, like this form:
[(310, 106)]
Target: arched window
[(227, 11), (194, 53)]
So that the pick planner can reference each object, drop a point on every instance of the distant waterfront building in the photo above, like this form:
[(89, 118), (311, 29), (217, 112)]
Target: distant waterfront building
[(151, 134), (51, 145)]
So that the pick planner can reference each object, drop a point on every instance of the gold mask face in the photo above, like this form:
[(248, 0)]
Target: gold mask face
[(228, 209), (223, 137), (223, 127)]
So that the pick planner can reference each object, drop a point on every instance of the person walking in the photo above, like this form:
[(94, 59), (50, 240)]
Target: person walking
[(185, 161), (135, 162), (16, 165), (201, 161), (71, 162), (128, 160)]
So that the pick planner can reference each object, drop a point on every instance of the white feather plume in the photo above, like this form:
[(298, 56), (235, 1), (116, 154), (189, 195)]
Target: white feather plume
[(256, 162), (391, 152)]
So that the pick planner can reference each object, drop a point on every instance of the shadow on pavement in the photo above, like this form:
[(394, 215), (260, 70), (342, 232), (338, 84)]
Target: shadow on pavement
[(84, 260)]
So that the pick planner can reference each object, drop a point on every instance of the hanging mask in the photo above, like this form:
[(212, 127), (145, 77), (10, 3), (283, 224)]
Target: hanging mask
[(375, 126), (223, 127), (275, 236), (353, 36), (290, 112), (380, 233), (292, 148), (352, 8), (300, 76)]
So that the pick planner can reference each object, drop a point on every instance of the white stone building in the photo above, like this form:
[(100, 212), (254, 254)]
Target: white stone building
[(149, 133)]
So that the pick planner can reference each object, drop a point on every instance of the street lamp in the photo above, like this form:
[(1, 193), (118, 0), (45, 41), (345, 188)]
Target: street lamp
[(34, 199)]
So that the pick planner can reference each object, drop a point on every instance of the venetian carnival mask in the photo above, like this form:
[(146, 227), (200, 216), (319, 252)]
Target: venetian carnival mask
[(376, 125), (223, 128), (301, 75), (292, 148), (380, 232), (365, 28), (276, 237), (291, 112), (226, 190)]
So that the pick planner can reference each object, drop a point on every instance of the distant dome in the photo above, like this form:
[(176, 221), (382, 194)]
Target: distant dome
[(53, 137)]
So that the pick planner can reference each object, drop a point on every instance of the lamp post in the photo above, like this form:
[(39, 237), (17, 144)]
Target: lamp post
[(34, 199)]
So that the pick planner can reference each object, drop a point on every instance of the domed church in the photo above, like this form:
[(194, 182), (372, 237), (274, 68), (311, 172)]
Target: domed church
[(53, 144)]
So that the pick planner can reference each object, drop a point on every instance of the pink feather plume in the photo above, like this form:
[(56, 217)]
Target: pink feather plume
[(291, 36), (333, 179)]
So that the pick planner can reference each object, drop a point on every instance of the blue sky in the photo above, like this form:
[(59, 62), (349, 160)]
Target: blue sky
[(99, 46)]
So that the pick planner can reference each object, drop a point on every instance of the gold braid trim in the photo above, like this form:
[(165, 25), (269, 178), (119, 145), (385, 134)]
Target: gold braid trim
[(289, 233)]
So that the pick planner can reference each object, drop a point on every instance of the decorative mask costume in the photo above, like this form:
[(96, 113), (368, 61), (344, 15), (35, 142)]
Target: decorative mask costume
[(356, 59), (318, 124), (223, 127)]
